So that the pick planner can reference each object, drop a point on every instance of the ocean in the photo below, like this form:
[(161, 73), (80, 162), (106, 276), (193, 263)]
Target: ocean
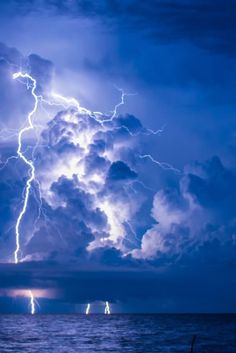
[(118, 333)]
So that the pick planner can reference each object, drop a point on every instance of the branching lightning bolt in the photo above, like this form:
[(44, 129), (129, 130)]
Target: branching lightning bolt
[(59, 100), (163, 165), (30, 164), (122, 102)]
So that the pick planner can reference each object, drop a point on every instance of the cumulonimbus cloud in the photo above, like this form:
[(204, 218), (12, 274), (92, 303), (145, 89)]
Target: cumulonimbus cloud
[(93, 201)]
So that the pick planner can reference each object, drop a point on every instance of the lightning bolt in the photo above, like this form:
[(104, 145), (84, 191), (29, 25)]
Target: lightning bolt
[(163, 165), (87, 311), (32, 303), (7, 161), (30, 164), (59, 100), (107, 310), (122, 102)]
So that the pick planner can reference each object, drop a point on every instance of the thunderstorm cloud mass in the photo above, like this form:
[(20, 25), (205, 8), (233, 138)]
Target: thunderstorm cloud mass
[(132, 141)]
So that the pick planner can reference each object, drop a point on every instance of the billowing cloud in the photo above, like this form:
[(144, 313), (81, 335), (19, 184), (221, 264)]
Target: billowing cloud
[(81, 175), (198, 211), (84, 195), (90, 209)]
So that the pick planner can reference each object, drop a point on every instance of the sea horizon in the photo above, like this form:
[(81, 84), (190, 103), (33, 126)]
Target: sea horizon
[(118, 333)]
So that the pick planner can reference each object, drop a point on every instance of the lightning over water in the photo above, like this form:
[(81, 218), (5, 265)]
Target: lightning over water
[(31, 178), (117, 176), (56, 100), (87, 311), (107, 310), (32, 303)]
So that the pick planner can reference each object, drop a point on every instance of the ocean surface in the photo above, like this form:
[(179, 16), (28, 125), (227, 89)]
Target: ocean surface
[(117, 333)]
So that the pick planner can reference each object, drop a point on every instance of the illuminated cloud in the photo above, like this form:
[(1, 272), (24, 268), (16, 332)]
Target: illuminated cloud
[(88, 181), (197, 212), (84, 175), (90, 206)]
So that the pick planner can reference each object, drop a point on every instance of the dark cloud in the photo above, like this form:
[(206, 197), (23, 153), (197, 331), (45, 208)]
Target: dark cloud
[(178, 290), (42, 70), (94, 162), (213, 188), (120, 171), (15, 99), (194, 215), (130, 122), (208, 24), (14, 102)]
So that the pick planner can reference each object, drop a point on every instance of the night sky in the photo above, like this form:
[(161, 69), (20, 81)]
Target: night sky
[(134, 205)]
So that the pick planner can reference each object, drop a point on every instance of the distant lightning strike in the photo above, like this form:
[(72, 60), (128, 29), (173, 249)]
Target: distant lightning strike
[(32, 303), (107, 310), (87, 311)]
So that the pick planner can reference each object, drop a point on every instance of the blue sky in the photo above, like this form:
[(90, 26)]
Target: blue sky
[(154, 237)]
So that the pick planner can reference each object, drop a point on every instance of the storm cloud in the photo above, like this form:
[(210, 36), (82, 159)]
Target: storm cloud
[(209, 25), (102, 223)]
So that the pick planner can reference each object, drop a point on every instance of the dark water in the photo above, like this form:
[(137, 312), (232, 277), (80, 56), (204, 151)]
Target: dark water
[(117, 333)]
